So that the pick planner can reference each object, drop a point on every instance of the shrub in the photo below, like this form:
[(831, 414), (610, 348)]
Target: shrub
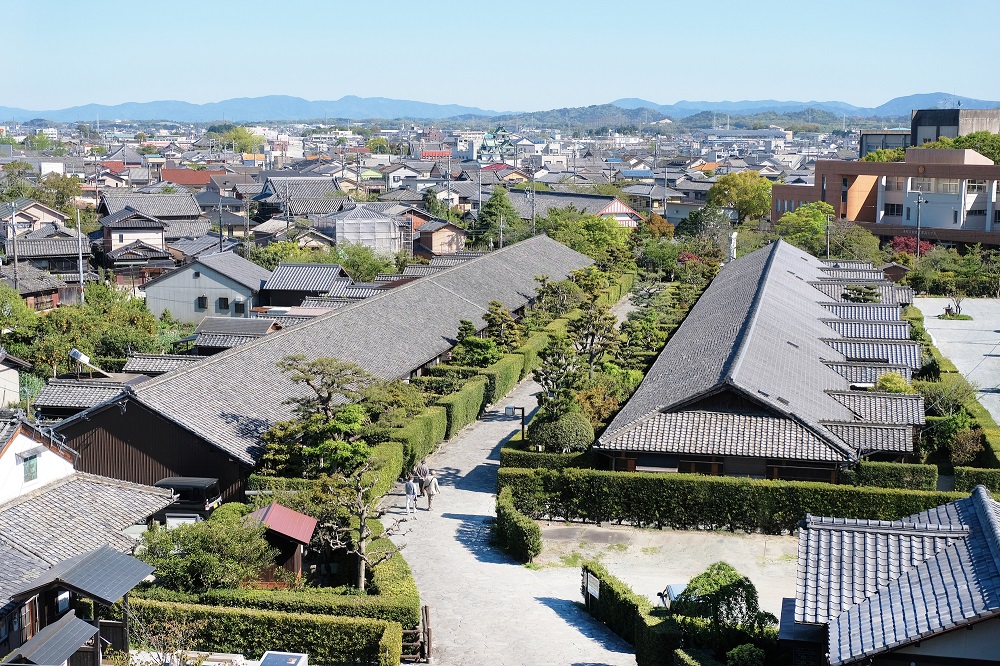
[(967, 478), (991, 433), (421, 435), (745, 655), (326, 639), (892, 382), (517, 458), (893, 475), (463, 407), (694, 657), (691, 501), (966, 446), (502, 377), (570, 432), (514, 532), (946, 397)]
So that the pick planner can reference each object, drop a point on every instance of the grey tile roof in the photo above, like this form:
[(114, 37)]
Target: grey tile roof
[(888, 292), (138, 250), (157, 364), (883, 330), (864, 274), (30, 280), (326, 302), (177, 229), (319, 278), (237, 269), (77, 514), (867, 438), (76, 394), (160, 206), (130, 218), (231, 398), (222, 341), (868, 373), (205, 245), (895, 352), (235, 325), (723, 434), (864, 311), (889, 408), (305, 195), (884, 585)]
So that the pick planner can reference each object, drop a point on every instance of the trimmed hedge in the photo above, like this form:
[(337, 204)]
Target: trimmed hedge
[(502, 377), (539, 460), (691, 501), (530, 350), (277, 483), (463, 406), (652, 632), (893, 475), (990, 457), (514, 532), (325, 638), (967, 478), (386, 475), (421, 435), (694, 657)]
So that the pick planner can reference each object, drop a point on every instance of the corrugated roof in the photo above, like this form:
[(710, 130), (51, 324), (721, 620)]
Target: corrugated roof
[(292, 524)]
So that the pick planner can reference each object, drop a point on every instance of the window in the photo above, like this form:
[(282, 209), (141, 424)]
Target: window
[(923, 184), (197, 274), (239, 307), (975, 186), (844, 183), (895, 210), (31, 468), (895, 183), (202, 302), (954, 217), (223, 303), (996, 217), (977, 212), (843, 196), (907, 212), (947, 185), (823, 195), (121, 238)]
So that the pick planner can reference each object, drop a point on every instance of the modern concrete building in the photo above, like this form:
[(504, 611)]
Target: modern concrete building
[(950, 194), (928, 125)]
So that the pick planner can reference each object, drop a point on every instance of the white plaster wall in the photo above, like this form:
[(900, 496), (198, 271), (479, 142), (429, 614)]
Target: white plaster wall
[(51, 467)]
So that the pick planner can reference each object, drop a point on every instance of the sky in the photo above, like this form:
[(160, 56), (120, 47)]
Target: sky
[(509, 56)]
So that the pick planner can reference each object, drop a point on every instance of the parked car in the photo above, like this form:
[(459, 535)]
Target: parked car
[(196, 496)]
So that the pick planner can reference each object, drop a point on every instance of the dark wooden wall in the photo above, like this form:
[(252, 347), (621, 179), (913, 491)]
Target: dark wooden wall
[(141, 446)]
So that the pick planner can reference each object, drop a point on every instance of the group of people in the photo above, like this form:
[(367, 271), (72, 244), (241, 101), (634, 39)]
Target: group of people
[(421, 482)]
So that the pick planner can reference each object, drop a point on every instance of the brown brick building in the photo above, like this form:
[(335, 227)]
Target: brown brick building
[(951, 193)]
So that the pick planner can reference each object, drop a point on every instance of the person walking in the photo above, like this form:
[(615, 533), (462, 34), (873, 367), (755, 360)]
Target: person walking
[(431, 488), (412, 490), (420, 471)]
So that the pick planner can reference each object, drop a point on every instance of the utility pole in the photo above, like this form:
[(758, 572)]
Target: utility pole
[(220, 221), (79, 250), (532, 201), (13, 237), (501, 232), (828, 219), (920, 200)]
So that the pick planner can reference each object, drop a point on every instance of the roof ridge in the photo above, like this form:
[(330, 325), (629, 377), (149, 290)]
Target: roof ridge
[(735, 359), (982, 502)]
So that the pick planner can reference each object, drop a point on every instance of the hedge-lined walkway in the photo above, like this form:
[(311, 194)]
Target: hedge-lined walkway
[(486, 608)]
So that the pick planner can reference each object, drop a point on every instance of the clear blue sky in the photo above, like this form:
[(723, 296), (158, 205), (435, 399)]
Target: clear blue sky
[(510, 55)]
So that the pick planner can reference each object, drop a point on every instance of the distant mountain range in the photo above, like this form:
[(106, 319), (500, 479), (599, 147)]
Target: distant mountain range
[(285, 108), (250, 109), (899, 106)]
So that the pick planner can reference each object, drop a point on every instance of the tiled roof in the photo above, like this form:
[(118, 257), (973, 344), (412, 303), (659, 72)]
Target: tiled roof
[(222, 341), (888, 292), (130, 218), (770, 346), (177, 229), (866, 438), (76, 394), (868, 373), (205, 245), (883, 330), (895, 352), (159, 206), (883, 585), (157, 364), (235, 325), (864, 311), (305, 195), (319, 278), (722, 434), (868, 273), (231, 398), (888, 408), (30, 280), (138, 249), (236, 268), (326, 302)]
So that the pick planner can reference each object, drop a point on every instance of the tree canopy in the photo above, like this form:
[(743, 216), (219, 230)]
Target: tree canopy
[(748, 192)]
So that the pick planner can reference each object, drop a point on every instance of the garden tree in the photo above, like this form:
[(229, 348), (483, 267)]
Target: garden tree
[(710, 220), (473, 350), (850, 241), (893, 382), (747, 654), (141, 137), (659, 257), (724, 596), (487, 227), (363, 263), (748, 192), (164, 639), (805, 227), (599, 238), (378, 145), (594, 333), (501, 327), (965, 446), (560, 373), (570, 432), (388, 405), (861, 293), (885, 155), (957, 297), (59, 191), (16, 184), (948, 396), (271, 255), (658, 227), (242, 140), (985, 143), (38, 142), (641, 335), (224, 551), (591, 281)]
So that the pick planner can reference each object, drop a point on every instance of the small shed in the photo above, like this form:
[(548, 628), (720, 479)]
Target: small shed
[(289, 532), (893, 271)]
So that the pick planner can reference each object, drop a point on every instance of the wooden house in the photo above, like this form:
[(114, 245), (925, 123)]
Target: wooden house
[(289, 532)]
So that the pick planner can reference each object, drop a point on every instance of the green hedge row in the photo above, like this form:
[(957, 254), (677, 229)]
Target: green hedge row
[(892, 475), (502, 377), (389, 471), (510, 457), (990, 457), (695, 657), (652, 632), (920, 334), (967, 478), (325, 638), (691, 501), (514, 532), (530, 350), (277, 483), (463, 406), (421, 435)]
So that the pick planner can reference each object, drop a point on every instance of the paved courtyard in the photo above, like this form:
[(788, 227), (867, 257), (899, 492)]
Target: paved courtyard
[(973, 346), (487, 608)]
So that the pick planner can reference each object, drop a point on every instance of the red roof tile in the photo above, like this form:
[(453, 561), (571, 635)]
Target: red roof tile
[(292, 524), (189, 177)]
